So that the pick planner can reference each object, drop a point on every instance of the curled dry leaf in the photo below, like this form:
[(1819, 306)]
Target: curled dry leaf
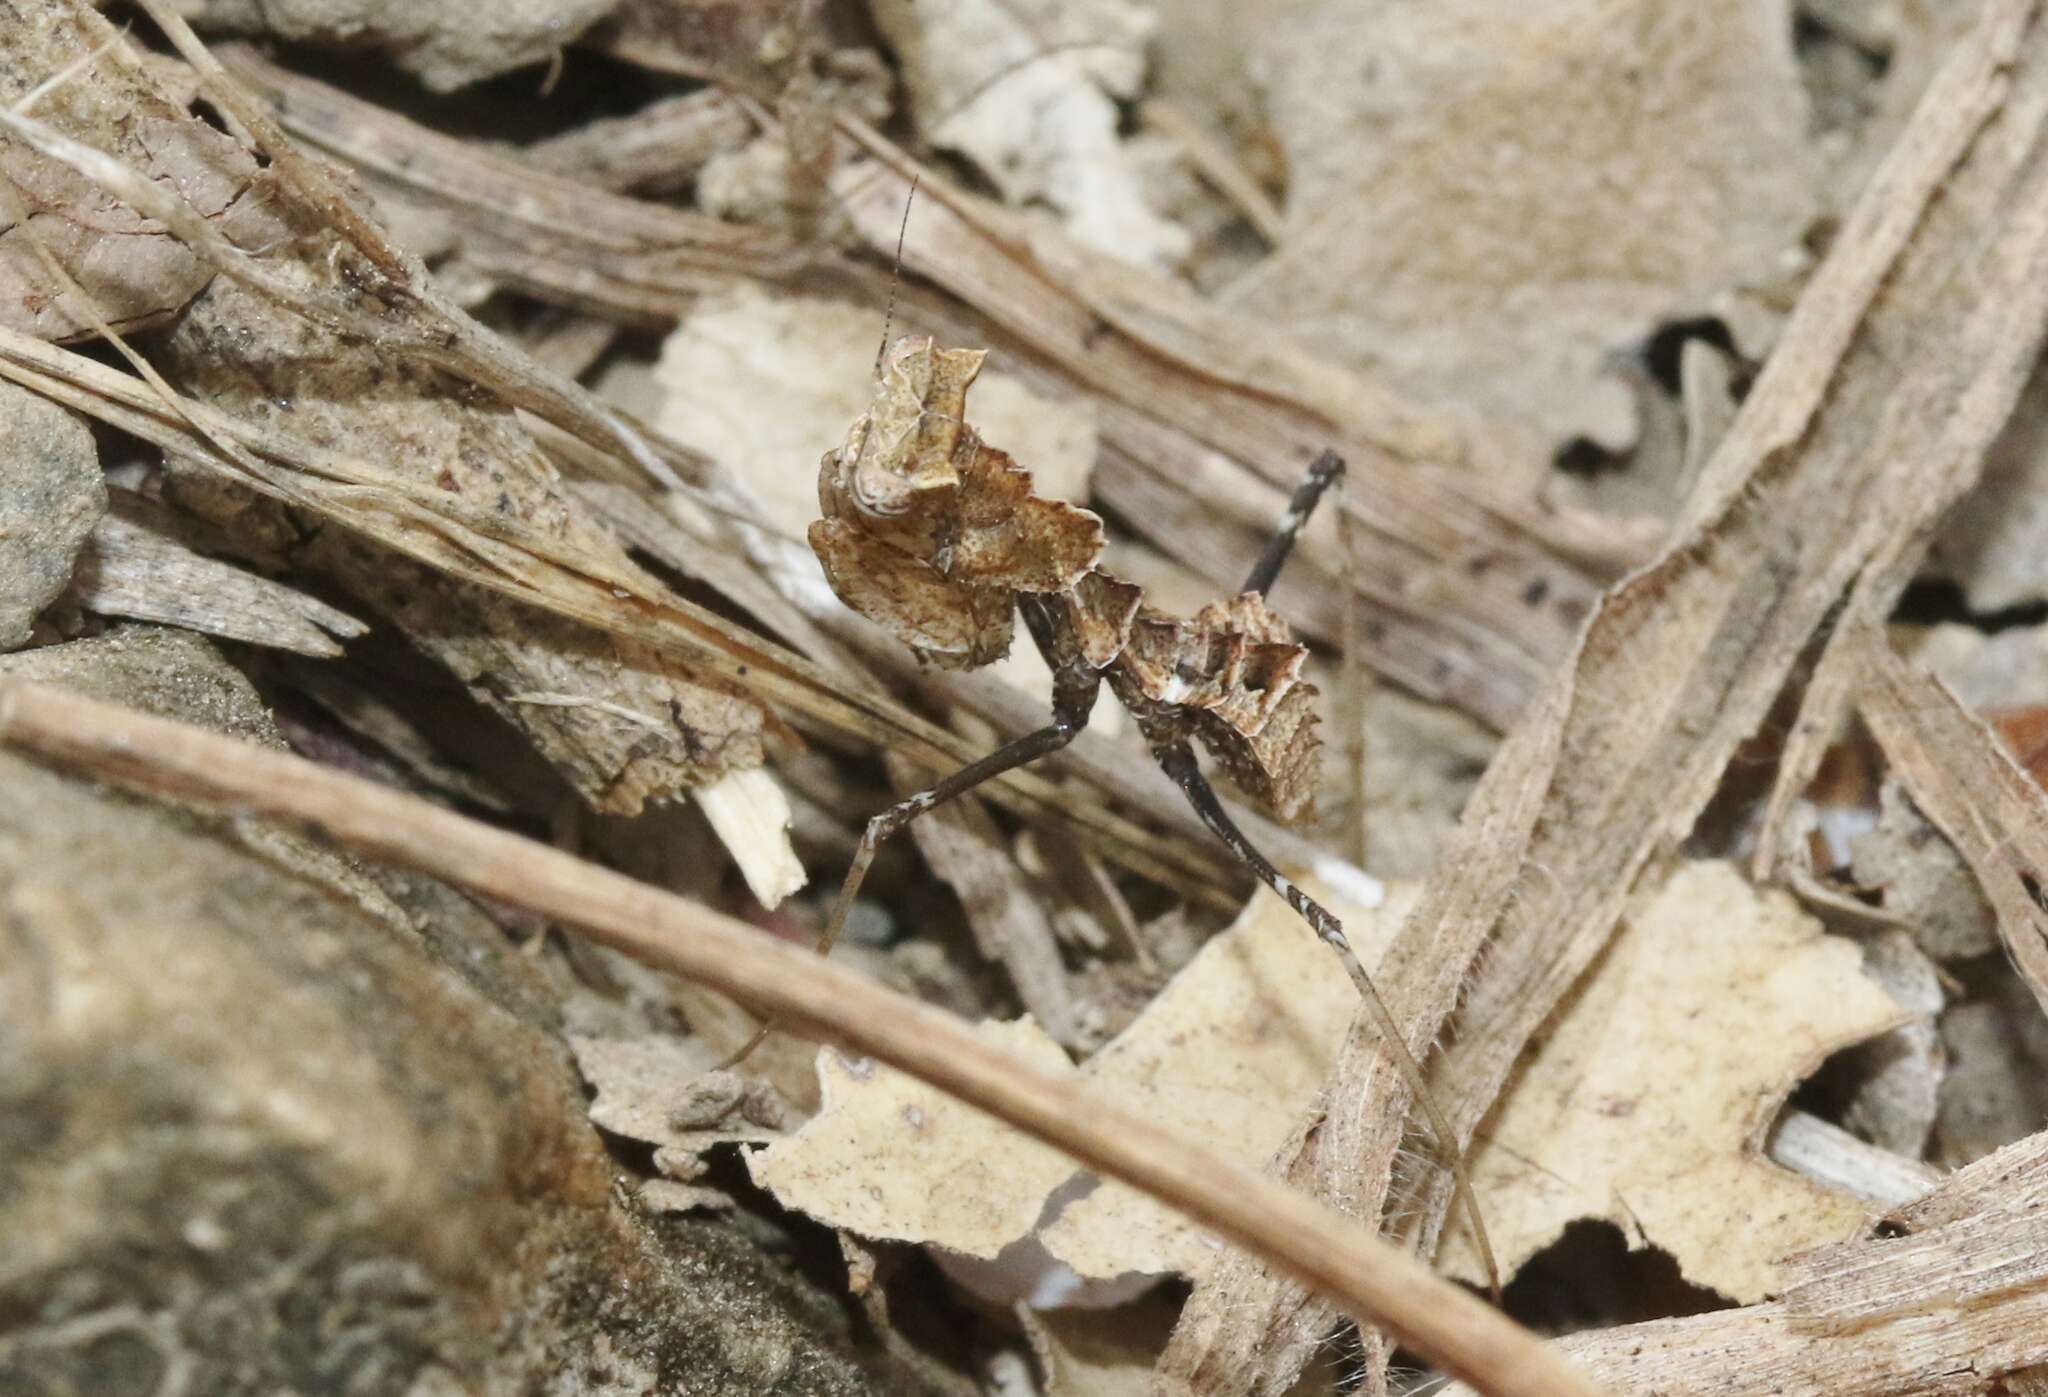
[(1648, 1101), (932, 534), (1236, 673), (767, 383), (1235, 1049)]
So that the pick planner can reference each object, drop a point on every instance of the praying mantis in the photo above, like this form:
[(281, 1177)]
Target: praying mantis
[(936, 536)]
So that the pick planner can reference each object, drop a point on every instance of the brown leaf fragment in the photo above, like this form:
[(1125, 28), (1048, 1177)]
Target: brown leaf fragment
[(1236, 669), (135, 270), (953, 626), (927, 531)]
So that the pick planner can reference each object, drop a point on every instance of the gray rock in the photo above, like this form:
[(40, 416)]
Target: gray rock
[(51, 494), (259, 1133)]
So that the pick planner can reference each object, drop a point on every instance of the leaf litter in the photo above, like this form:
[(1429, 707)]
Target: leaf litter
[(1717, 920)]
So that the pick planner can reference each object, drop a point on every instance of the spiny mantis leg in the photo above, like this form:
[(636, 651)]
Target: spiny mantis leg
[(1177, 759), (1073, 699), (1323, 472)]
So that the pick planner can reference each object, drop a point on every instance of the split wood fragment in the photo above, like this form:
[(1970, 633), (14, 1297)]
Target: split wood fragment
[(1333, 1254)]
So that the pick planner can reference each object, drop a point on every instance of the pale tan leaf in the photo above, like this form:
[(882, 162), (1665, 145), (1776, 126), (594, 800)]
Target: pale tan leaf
[(1647, 1102), (887, 1156), (1234, 1049)]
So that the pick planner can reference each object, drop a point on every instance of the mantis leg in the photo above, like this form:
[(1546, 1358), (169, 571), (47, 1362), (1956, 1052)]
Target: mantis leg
[(1073, 699), (1178, 761), (1323, 472)]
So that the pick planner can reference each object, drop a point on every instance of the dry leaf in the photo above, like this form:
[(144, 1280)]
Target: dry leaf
[(1234, 1049), (1024, 89), (1489, 199), (767, 384), (132, 266), (887, 1156), (928, 531), (1683, 659), (1941, 1312), (1648, 1101)]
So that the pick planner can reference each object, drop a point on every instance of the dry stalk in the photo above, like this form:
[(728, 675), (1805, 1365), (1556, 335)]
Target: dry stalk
[(1329, 1252)]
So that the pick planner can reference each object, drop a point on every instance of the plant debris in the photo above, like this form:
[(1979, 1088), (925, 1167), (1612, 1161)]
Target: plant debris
[(551, 424)]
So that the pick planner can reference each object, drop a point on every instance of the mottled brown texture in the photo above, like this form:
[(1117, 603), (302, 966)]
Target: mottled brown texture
[(933, 535), (930, 532), (133, 267)]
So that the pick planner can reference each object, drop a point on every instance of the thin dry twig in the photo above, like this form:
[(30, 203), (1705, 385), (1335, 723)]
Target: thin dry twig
[(1330, 1252)]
